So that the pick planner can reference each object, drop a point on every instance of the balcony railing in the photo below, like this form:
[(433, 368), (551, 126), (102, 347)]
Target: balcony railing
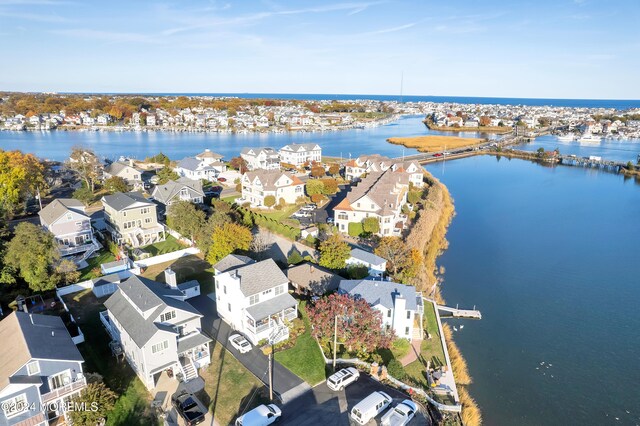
[(65, 390)]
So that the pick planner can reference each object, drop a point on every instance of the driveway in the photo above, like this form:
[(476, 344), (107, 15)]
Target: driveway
[(322, 406), (285, 383)]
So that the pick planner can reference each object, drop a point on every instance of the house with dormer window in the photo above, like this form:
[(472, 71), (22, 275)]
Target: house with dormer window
[(261, 158), (258, 184), (253, 297), (157, 328), (40, 370), (132, 219), (300, 153)]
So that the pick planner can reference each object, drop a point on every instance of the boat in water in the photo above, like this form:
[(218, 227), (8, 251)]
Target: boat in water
[(589, 138), (568, 137)]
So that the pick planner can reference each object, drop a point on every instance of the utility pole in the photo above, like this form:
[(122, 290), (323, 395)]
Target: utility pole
[(270, 375), (335, 341)]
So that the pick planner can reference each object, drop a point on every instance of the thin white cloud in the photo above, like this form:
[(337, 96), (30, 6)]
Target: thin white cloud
[(109, 36), (353, 8), (34, 17), (391, 30)]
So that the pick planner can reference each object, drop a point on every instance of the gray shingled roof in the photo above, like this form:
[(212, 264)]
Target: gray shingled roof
[(268, 178), (272, 306), (232, 261), (191, 163), (381, 292), (257, 151), (146, 295), (106, 279), (33, 336), (122, 200), (164, 193), (209, 154), (192, 342), (367, 257), (59, 207), (115, 168), (258, 277), (313, 278)]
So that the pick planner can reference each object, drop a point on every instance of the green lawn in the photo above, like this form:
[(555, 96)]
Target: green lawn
[(191, 267), (229, 388), (103, 257), (170, 244), (132, 405), (304, 359), (282, 215)]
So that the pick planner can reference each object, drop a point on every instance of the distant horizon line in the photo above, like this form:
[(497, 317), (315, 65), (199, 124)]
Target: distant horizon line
[(327, 95)]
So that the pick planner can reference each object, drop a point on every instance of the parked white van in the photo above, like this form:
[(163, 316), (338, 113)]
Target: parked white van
[(262, 415), (370, 407)]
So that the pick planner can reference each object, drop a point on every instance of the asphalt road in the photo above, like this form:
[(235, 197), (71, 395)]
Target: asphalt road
[(285, 383), (322, 406)]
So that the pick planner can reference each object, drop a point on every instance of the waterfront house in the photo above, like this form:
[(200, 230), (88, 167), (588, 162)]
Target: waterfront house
[(380, 195), (253, 298), (196, 169), (132, 219), (70, 225), (157, 329), (40, 366), (376, 265), (126, 171), (258, 184), (358, 167), (183, 189), (261, 158), (300, 153), (308, 278), (401, 305)]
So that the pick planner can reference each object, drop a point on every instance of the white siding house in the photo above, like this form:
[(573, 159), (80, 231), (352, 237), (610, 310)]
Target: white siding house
[(401, 305), (261, 158), (300, 153), (157, 329), (253, 298), (259, 184)]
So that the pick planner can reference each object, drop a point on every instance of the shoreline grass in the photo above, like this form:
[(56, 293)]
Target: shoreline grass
[(435, 143)]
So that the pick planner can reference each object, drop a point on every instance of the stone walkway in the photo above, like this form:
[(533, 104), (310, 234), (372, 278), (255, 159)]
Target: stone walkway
[(413, 354)]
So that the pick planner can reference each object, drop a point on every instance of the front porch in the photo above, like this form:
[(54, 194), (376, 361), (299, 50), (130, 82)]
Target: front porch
[(262, 319), (140, 237)]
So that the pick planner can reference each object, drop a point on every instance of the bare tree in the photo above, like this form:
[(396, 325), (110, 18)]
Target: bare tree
[(261, 243), (86, 163)]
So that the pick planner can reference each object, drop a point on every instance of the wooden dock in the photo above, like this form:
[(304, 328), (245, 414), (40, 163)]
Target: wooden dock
[(459, 313)]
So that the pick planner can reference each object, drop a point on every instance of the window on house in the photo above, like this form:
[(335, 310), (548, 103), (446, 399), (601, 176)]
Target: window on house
[(33, 368), (147, 220), (229, 307), (159, 347), (144, 210), (279, 290), (408, 314), (266, 292), (124, 213), (167, 316), (224, 289), (406, 331), (254, 299), (389, 314), (14, 406)]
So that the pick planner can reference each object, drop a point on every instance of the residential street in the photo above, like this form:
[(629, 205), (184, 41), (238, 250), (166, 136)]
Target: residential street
[(285, 383), (322, 406)]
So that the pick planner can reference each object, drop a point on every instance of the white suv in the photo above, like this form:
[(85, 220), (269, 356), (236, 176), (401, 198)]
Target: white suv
[(342, 378)]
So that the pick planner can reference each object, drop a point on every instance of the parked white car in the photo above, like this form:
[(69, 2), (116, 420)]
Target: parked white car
[(262, 415), (370, 407), (240, 343), (401, 414), (343, 378)]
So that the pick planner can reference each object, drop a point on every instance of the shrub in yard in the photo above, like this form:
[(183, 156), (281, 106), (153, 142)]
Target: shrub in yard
[(294, 258), (371, 225), (396, 369), (357, 272), (316, 198), (269, 201), (355, 229)]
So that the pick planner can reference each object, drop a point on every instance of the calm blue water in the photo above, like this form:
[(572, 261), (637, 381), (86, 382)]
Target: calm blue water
[(607, 148), (56, 145), (550, 257), (621, 104)]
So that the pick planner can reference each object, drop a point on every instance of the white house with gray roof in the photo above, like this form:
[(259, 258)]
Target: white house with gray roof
[(157, 328), (259, 184), (40, 367), (261, 158), (206, 165), (376, 265), (253, 298), (401, 305), (183, 189), (300, 153), (126, 171)]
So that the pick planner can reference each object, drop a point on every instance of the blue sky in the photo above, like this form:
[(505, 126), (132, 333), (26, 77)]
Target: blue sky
[(542, 49)]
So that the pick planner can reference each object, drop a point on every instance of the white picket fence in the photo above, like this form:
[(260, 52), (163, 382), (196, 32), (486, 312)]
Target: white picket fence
[(74, 288), (145, 263)]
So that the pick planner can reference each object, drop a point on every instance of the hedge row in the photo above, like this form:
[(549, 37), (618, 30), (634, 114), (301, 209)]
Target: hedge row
[(272, 224)]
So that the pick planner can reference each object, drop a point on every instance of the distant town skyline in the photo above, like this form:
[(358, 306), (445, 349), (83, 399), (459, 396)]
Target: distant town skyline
[(582, 49)]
